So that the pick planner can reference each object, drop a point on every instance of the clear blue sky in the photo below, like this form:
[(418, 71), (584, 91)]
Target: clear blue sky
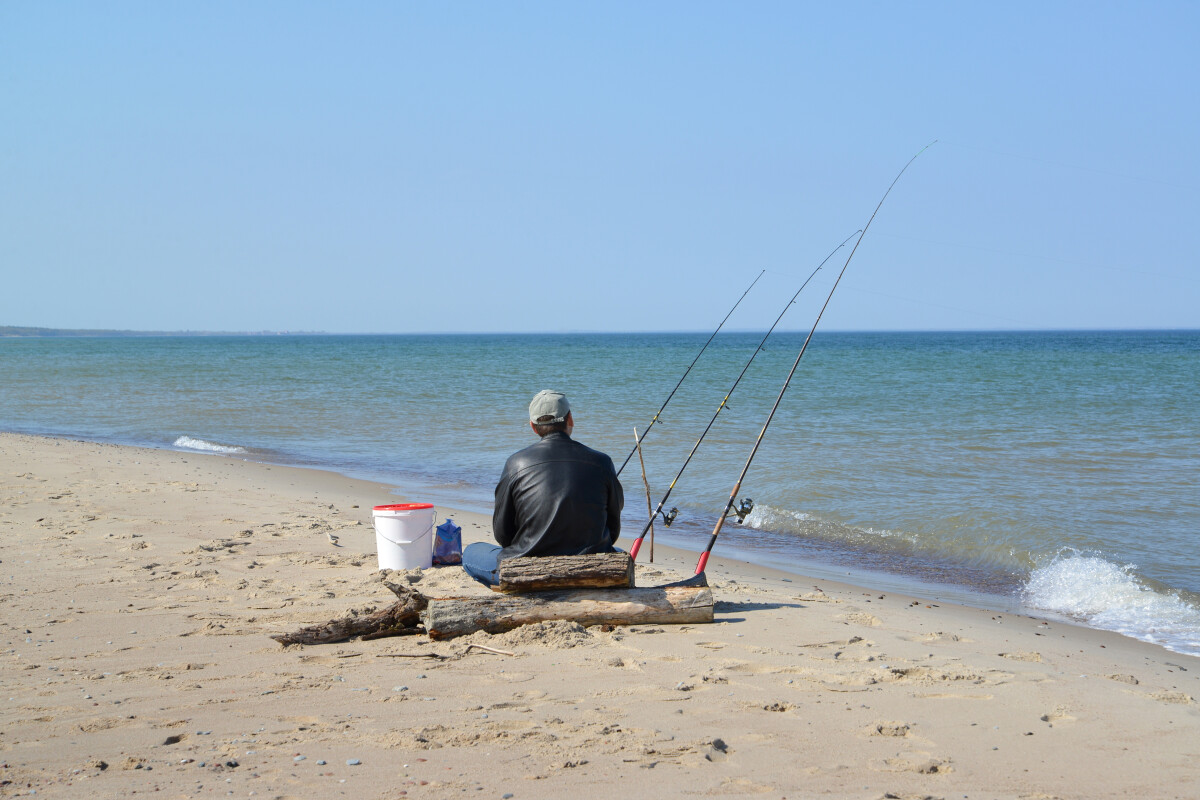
[(428, 167)]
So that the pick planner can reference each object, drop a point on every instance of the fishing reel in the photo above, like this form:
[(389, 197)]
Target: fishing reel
[(741, 510), (669, 516)]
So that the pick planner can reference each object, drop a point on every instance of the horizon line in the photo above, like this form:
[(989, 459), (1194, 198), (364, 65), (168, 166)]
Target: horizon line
[(34, 332)]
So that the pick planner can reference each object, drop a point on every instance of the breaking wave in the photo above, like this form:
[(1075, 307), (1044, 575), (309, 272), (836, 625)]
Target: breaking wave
[(189, 443), (1101, 594)]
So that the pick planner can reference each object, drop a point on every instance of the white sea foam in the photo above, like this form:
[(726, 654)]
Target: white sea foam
[(188, 443), (764, 517), (1111, 597), (769, 518)]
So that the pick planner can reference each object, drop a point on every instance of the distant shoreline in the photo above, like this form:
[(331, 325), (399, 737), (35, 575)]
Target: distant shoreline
[(18, 332), (28, 332)]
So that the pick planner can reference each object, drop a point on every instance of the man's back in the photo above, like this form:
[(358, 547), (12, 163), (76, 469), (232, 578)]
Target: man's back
[(557, 497)]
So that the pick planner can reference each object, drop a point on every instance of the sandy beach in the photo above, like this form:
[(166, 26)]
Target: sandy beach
[(140, 587)]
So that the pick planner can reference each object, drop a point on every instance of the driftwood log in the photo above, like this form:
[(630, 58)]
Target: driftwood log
[(687, 601), (549, 573), (401, 618)]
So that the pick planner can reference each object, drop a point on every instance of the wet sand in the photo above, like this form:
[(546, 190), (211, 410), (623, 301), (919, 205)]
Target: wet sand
[(138, 590)]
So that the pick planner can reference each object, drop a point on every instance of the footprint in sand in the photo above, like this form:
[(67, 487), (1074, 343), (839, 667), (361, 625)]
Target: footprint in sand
[(624, 663), (940, 636), (924, 766), (1058, 715), (816, 596), (898, 729), (927, 676), (743, 786), (1178, 698), (862, 618), (1023, 656), (759, 668), (104, 724), (778, 705)]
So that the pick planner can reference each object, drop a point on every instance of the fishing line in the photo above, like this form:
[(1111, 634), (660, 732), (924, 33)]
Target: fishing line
[(669, 517), (746, 505), (654, 419)]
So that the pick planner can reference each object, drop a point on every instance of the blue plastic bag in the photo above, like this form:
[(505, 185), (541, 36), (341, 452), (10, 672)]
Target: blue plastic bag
[(447, 544)]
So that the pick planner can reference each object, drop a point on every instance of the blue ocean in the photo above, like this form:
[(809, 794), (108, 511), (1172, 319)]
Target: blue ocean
[(1053, 472)]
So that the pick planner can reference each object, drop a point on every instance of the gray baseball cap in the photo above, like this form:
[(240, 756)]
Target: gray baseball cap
[(549, 403)]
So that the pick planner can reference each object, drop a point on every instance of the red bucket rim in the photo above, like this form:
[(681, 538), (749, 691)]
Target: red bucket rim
[(403, 507)]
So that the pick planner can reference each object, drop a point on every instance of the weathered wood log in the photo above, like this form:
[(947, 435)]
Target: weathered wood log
[(688, 601), (401, 618), (550, 573)]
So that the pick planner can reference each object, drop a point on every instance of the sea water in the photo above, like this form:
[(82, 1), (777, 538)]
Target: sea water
[(1054, 472)]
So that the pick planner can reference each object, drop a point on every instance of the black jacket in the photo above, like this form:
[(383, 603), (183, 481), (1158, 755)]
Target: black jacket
[(557, 498)]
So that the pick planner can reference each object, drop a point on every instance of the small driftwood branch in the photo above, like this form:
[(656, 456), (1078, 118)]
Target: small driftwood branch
[(688, 601), (438, 656), (401, 618), (550, 573), (467, 649)]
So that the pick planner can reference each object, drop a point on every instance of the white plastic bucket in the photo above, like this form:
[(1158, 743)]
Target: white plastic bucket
[(404, 535)]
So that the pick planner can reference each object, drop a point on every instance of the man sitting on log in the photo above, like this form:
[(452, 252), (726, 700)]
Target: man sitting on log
[(555, 498)]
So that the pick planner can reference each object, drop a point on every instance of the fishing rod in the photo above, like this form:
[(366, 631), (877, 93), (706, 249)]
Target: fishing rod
[(669, 517), (654, 419), (745, 505)]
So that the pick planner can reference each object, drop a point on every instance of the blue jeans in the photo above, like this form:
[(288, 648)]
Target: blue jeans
[(482, 562)]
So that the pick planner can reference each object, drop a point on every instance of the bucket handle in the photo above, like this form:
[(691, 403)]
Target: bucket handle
[(424, 533)]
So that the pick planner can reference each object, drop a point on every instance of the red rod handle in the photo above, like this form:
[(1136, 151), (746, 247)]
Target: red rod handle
[(633, 551), (702, 563)]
